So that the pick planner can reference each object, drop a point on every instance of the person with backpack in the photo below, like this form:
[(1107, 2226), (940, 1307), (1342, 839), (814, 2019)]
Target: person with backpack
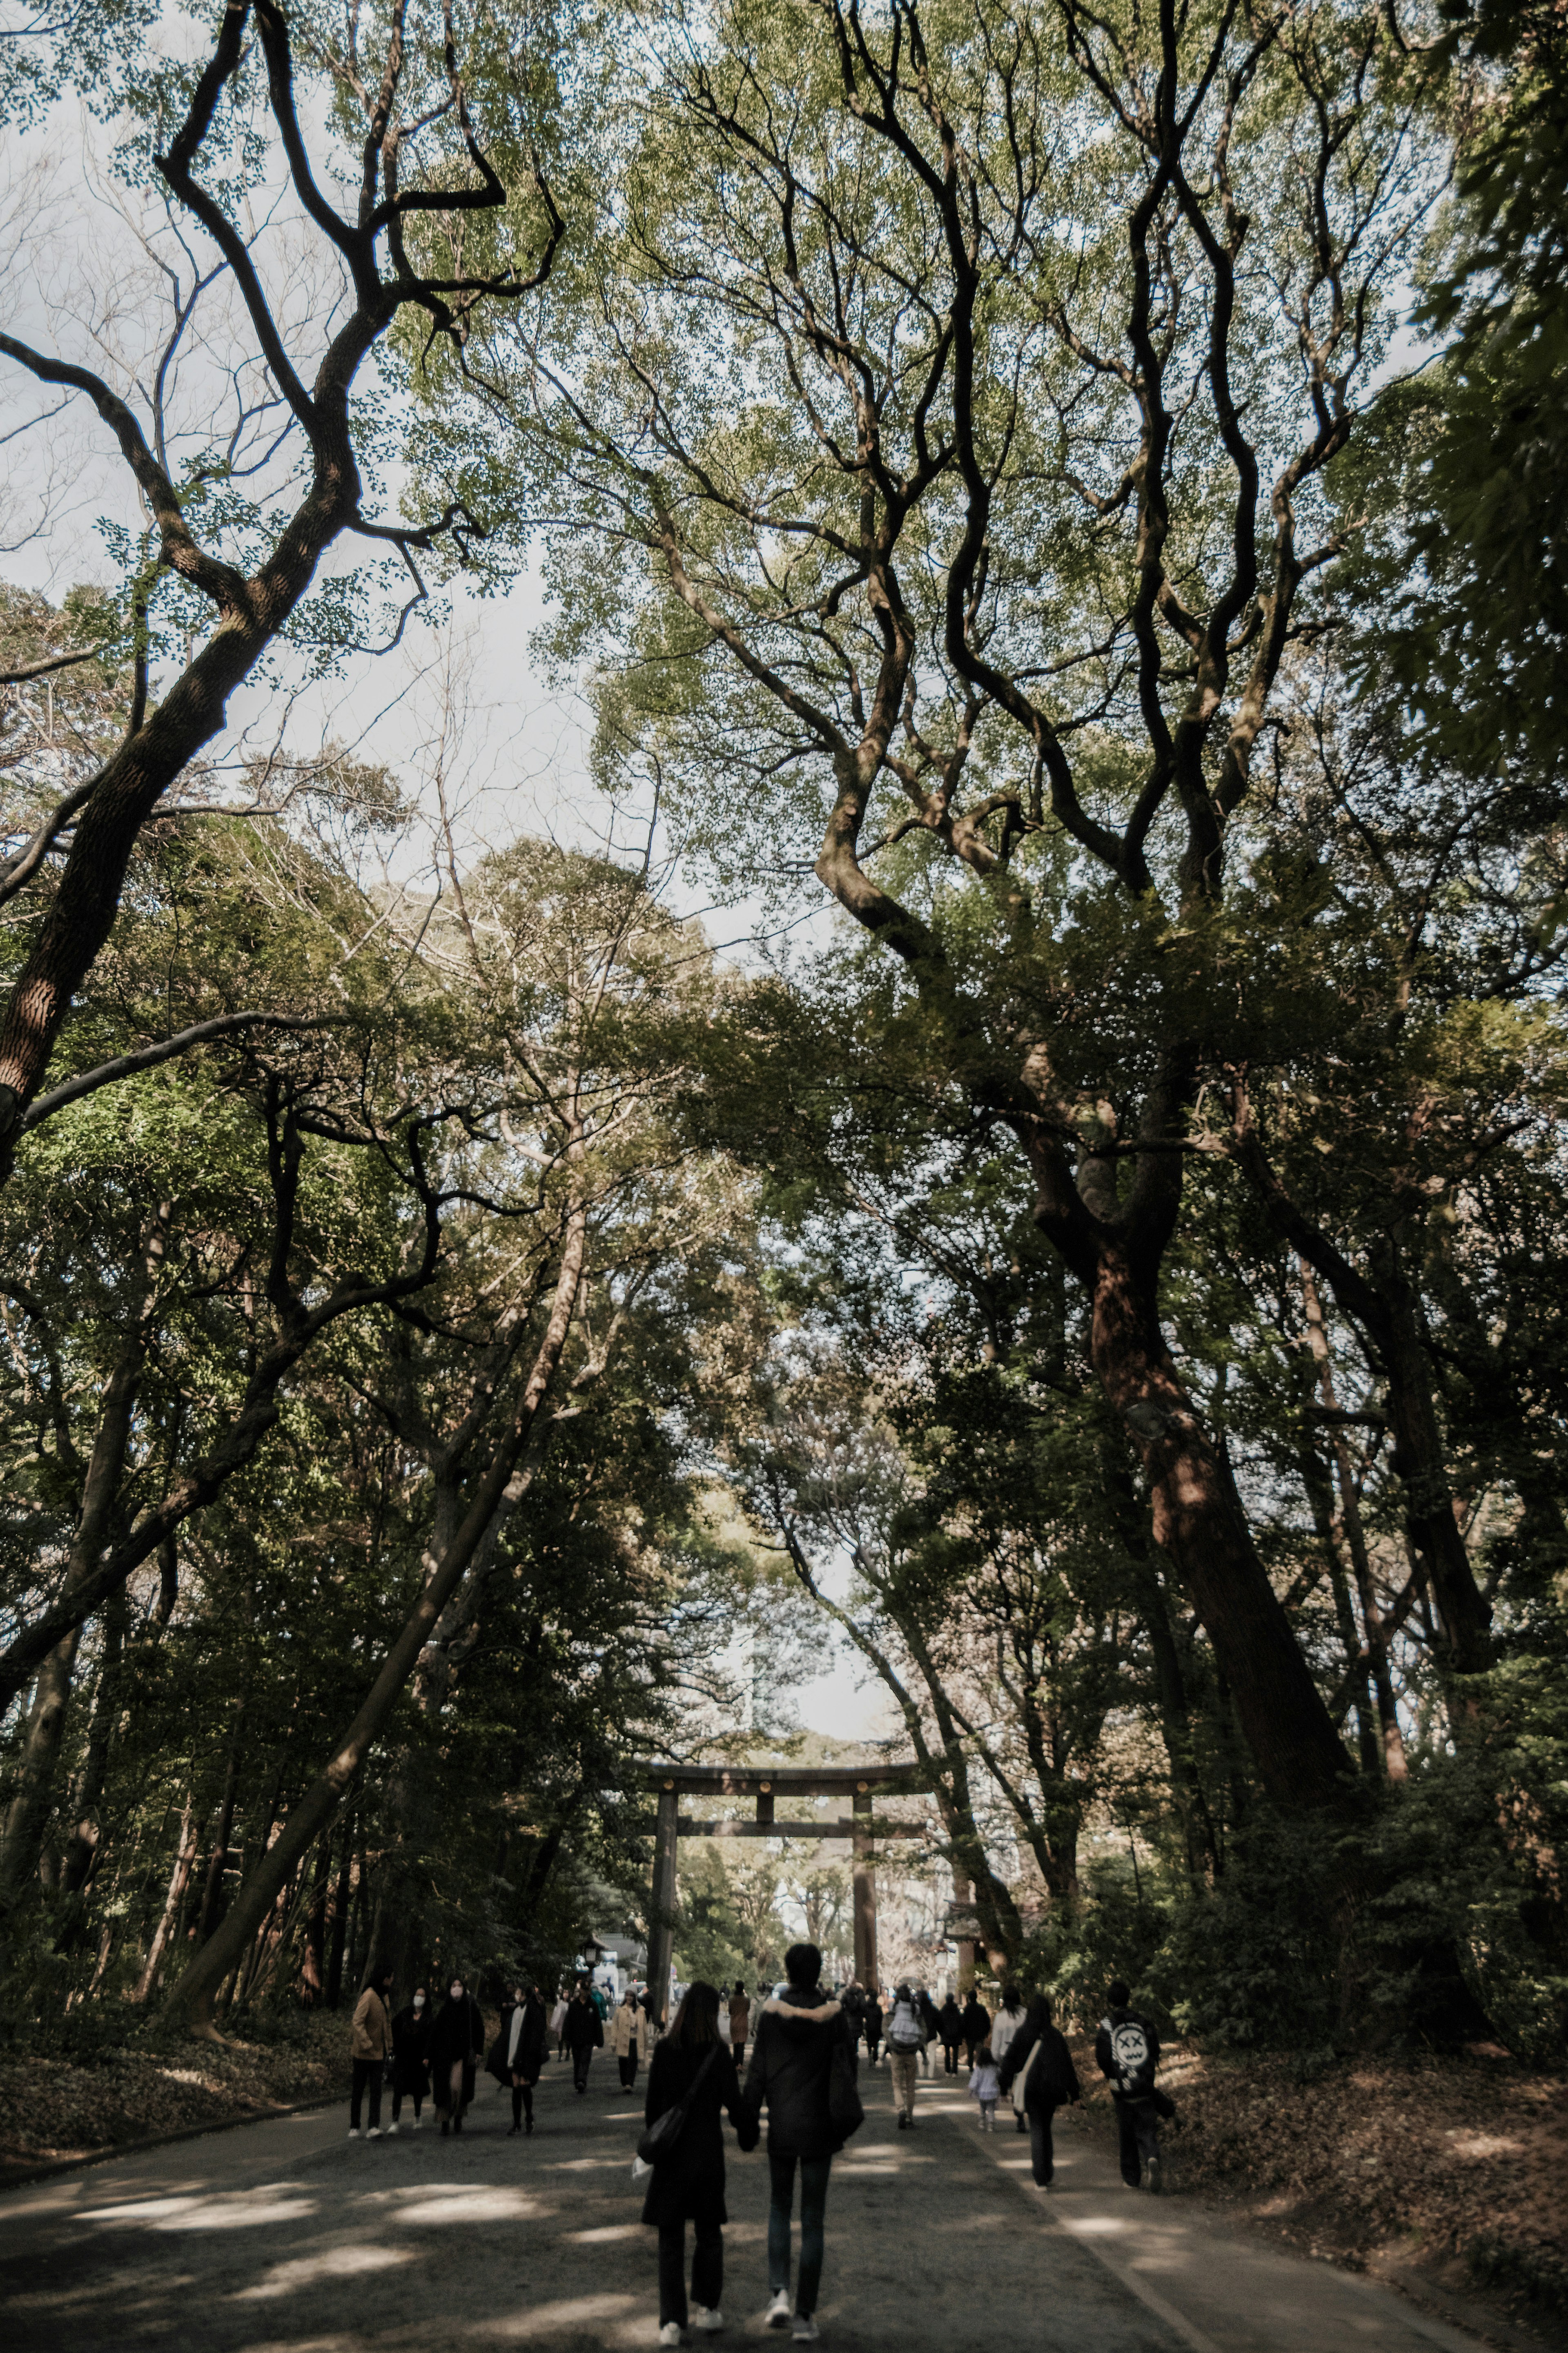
[(906, 2041), (693, 2068), (802, 2070), (582, 2034), (1127, 2049), (976, 2027), (1039, 2071)]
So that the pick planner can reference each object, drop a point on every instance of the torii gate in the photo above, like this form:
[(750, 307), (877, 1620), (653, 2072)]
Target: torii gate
[(765, 1783)]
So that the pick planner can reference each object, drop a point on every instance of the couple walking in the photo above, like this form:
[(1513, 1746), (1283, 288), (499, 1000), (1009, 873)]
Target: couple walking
[(802, 2070)]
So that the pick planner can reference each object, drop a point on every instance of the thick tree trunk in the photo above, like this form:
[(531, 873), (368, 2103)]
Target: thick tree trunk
[(32, 1801), (193, 1996), (1199, 1524)]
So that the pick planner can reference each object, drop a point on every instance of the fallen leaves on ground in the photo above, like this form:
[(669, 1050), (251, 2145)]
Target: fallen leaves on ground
[(1455, 2165), (53, 2107)]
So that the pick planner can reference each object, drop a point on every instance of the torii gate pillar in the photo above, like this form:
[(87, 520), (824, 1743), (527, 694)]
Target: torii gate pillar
[(865, 1899), (661, 1927)]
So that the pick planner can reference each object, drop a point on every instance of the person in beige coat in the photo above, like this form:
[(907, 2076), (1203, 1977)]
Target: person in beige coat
[(370, 2048), (628, 2037)]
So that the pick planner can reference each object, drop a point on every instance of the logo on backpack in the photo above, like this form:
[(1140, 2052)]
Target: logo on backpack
[(1129, 2048)]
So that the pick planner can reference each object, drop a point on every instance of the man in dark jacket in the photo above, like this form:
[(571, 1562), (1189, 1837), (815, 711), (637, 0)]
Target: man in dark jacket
[(976, 2026), (950, 2027), (797, 2037), (1127, 2049), (583, 2033)]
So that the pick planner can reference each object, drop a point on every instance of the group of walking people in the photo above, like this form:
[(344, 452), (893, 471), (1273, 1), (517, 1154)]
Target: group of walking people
[(802, 2071), (421, 2050)]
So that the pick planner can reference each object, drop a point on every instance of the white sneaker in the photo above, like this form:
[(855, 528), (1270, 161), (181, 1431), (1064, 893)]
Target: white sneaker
[(374, 2133), (806, 2331), (707, 2320), (354, 2132), (1153, 2175), (778, 2310), (670, 2334), (417, 2123)]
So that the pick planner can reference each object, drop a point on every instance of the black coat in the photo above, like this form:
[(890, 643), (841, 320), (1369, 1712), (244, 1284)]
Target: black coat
[(873, 2022), (584, 2028), (411, 2031), (687, 2186), (949, 2021), (458, 2034), (527, 2061), (976, 2020), (792, 2059), (1053, 2081)]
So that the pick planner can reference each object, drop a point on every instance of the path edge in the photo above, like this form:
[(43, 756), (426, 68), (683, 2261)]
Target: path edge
[(50, 2167)]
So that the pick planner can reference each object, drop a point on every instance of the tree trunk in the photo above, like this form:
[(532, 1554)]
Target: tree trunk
[(340, 1900), (194, 1994), (1199, 1524), (27, 1819), (82, 1854), (314, 1973), (1463, 1610), (184, 1855), (218, 1861), (25, 1822)]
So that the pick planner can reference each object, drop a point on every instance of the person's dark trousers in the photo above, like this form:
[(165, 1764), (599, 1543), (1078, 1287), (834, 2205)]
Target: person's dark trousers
[(580, 2059), (1138, 2135), (367, 2077), (950, 2057), (628, 2067), (707, 2269), (969, 2051), (813, 2173), (1042, 2155), (522, 2104), (417, 2098), (738, 2052)]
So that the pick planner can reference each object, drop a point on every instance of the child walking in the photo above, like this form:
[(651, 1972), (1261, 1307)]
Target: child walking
[(986, 2085)]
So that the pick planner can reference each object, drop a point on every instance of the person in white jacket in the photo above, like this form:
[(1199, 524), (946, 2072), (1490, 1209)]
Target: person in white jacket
[(1003, 2027)]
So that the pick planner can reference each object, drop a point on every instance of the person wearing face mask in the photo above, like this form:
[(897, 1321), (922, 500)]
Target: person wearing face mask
[(410, 2056), (456, 2044)]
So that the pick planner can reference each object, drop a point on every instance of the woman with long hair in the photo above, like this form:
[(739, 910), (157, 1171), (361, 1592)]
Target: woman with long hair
[(692, 2063), (1038, 2069), (525, 2028)]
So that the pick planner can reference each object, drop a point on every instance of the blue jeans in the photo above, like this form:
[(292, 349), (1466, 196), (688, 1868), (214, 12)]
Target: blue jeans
[(813, 2173)]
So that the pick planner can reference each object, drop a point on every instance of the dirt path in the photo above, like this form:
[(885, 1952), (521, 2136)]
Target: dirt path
[(287, 2238)]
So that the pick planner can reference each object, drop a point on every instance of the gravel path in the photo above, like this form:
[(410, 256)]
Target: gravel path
[(287, 2238)]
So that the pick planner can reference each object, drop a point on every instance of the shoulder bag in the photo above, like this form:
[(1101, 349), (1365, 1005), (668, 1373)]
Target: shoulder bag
[(658, 2140)]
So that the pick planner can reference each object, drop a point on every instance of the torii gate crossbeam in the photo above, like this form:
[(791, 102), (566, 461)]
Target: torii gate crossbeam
[(765, 1784)]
